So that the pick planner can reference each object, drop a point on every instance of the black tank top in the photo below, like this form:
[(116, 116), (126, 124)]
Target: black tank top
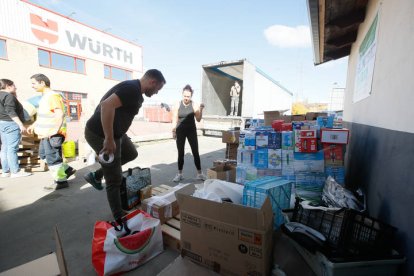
[(186, 116)]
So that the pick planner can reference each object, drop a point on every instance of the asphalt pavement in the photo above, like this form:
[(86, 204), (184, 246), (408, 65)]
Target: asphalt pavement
[(28, 213)]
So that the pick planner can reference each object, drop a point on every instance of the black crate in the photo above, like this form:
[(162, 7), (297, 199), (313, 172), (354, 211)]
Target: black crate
[(349, 233)]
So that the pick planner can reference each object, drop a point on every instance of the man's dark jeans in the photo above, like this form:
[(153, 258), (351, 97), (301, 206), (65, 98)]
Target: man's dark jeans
[(125, 152)]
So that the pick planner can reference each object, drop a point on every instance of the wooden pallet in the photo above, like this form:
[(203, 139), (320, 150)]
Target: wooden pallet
[(40, 167), (160, 189), (28, 154), (171, 233)]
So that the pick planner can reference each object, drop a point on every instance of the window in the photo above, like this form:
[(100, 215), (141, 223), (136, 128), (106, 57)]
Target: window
[(3, 49), (115, 73), (61, 62)]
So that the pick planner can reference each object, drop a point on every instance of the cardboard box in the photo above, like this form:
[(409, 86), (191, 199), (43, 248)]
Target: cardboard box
[(163, 206), (262, 139), (274, 159), (270, 116), (307, 145), (224, 164), (309, 162), (335, 136), (311, 116), (261, 158), (231, 151), (228, 174), (305, 141), (51, 264), (230, 136), (275, 140), (298, 117), (333, 154), (228, 238), (287, 140)]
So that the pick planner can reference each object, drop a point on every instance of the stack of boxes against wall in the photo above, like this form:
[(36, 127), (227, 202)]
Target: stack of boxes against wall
[(297, 148)]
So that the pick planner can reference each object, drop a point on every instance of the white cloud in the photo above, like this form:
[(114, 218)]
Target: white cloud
[(288, 37)]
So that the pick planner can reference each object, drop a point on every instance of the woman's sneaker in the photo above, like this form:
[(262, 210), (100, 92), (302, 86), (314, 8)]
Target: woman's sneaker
[(20, 174), (201, 176), (5, 174), (91, 179), (178, 177)]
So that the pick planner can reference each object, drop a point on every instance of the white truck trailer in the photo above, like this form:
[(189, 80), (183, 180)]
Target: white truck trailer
[(259, 93)]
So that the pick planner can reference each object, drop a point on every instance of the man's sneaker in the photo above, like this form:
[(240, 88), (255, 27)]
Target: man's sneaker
[(69, 172), (201, 176), (5, 174), (96, 183), (20, 174), (178, 177), (57, 185)]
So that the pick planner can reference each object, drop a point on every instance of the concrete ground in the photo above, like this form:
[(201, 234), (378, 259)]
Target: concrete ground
[(28, 213)]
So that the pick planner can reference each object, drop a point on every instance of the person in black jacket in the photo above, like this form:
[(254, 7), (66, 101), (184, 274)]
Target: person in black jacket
[(11, 129)]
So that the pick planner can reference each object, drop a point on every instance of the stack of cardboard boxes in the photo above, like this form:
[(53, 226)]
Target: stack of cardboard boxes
[(304, 151)]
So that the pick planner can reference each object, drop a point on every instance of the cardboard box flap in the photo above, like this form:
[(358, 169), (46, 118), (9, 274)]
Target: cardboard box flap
[(225, 212), (59, 253), (51, 264)]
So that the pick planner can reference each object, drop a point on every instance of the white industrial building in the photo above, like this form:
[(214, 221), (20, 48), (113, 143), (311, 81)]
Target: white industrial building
[(81, 61)]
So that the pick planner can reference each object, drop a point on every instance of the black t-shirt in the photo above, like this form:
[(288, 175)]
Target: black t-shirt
[(129, 92)]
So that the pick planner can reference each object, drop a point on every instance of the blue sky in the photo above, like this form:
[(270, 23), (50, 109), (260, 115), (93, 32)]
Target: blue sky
[(178, 37)]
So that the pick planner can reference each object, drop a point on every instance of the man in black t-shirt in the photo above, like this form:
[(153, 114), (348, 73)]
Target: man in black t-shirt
[(106, 131)]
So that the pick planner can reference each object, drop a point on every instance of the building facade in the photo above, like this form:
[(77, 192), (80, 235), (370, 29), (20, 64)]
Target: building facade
[(81, 62), (378, 36)]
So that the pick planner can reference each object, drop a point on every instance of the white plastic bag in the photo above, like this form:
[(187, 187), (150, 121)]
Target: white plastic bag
[(217, 190), (334, 195)]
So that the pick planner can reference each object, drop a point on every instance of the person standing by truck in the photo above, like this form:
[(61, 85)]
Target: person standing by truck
[(184, 127), (235, 97)]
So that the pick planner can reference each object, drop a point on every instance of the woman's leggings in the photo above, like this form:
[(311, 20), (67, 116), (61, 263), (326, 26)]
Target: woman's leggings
[(191, 135)]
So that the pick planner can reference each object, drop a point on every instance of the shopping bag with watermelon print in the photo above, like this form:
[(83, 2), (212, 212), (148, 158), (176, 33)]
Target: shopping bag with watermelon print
[(120, 248)]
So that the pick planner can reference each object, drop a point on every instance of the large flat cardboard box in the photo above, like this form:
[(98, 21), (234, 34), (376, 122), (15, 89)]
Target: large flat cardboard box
[(228, 238), (50, 265)]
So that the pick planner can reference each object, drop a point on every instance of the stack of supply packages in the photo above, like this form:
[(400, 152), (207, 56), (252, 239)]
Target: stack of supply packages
[(334, 139), (308, 161), (319, 151), (260, 152)]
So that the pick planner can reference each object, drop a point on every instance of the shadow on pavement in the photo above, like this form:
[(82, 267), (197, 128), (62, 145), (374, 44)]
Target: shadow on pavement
[(27, 231)]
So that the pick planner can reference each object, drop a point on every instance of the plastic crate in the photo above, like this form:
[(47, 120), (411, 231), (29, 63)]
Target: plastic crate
[(349, 233), (277, 189), (323, 266)]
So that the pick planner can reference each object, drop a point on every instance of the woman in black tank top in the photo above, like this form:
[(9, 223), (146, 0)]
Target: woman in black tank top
[(184, 127)]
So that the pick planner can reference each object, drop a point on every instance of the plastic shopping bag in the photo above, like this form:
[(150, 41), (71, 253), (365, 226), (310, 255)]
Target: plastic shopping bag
[(132, 182), (116, 248)]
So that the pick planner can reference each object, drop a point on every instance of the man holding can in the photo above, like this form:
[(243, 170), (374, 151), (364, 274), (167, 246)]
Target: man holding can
[(106, 131)]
